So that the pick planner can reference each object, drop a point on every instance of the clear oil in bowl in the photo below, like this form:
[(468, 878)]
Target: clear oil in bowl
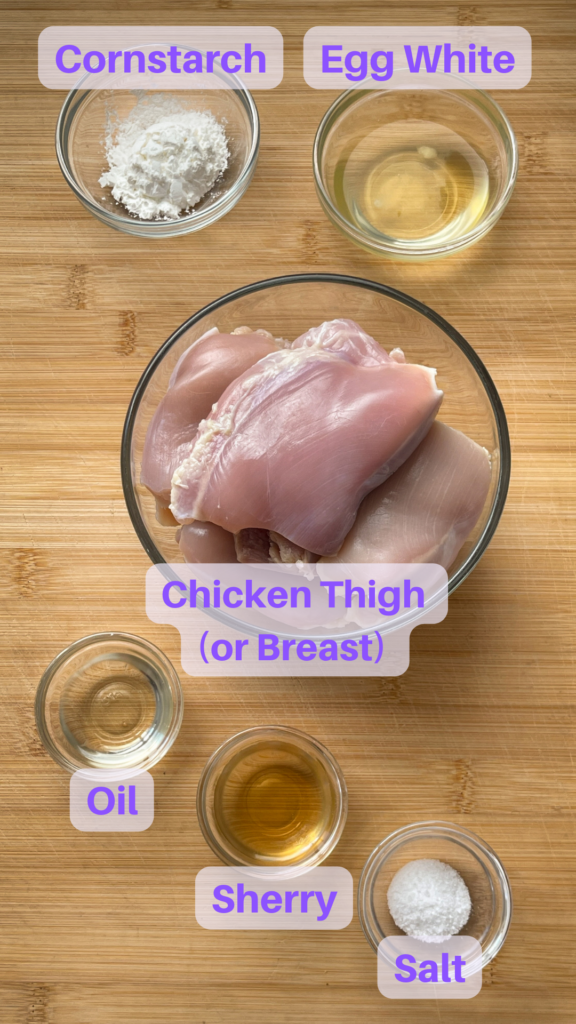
[(113, 710), (415, 182), (274, 804)]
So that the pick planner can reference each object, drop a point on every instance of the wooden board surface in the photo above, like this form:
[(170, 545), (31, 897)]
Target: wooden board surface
[(480, 730)]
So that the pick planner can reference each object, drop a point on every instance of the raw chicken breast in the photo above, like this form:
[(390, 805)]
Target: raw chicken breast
[(205, 542), (425, 511), (297, 441), (200, 376)]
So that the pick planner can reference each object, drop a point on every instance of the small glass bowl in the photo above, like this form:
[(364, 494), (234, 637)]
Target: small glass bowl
[(479, 866), (249, 764), (81, 150), (472, 113), (109, 702)]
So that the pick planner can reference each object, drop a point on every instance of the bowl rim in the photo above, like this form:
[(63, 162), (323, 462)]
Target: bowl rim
[(389, 246), (329, 278), (68, 652), (452, 832), (272, 731), (80, 95)]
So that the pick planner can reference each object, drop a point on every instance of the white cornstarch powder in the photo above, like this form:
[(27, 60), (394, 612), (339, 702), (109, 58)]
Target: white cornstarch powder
[(161, 169), (429, 900)]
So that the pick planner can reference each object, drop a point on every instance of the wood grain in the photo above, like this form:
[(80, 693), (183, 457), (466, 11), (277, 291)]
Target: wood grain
[(480, 730)]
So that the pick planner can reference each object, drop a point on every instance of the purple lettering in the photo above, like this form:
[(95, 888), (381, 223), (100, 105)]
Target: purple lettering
[(60, 60)]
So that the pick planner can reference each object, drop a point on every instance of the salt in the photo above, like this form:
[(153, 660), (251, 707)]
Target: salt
[(429, 900)]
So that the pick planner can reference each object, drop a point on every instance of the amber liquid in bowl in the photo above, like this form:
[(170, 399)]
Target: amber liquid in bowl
[(274, 803)]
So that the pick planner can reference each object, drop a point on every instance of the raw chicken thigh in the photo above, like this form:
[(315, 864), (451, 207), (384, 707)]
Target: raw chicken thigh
[(425, 511), (254, 545), (295, 443), (202, 373), (205, 542)]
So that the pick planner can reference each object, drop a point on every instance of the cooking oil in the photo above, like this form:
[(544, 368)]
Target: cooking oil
[(273, 803), (113, 707), (416, 182)]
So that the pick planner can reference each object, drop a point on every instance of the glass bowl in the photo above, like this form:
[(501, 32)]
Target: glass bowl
[(282, 790), (110, 702), (358, 121), (81, 150), (438, 840), (287, 306)]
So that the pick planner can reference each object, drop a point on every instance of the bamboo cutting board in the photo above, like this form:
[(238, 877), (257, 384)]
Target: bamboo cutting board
[(480, 730)]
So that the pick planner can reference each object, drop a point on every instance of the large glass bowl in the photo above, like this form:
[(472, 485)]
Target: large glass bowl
[(288, 306), (81, 149)]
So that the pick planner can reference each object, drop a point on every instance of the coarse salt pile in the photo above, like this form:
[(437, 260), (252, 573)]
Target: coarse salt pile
[(429, 900), (159, 170)]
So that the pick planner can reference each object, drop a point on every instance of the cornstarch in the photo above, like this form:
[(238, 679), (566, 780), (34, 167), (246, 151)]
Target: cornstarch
[(161, 166)]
